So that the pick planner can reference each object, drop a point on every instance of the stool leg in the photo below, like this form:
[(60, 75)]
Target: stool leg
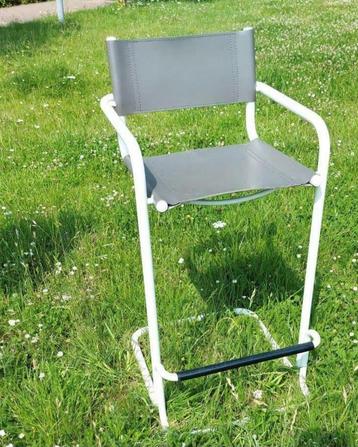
[(302, 359), (149, 290)]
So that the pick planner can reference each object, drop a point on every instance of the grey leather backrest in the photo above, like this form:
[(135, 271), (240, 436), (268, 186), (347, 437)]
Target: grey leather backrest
[(181, 72)]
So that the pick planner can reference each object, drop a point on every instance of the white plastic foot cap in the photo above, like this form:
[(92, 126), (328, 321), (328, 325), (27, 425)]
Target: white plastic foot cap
[(316, 180), (161, 206), (315, 337)]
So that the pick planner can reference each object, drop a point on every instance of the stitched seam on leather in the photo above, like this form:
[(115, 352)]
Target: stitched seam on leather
[(134, 77), (232, 58), (237, 68), (130, 69), (266, 162)]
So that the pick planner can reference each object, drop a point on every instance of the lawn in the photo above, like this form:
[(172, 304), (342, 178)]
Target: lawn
[(70, 277)]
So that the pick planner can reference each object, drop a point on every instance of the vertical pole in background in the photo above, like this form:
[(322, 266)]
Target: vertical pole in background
[(60, 11)]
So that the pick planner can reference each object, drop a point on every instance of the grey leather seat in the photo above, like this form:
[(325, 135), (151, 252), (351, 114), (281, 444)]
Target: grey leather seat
[(196, 174)]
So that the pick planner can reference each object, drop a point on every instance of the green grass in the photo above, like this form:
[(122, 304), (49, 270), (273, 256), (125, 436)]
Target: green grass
[(69, 260), (5, 3)]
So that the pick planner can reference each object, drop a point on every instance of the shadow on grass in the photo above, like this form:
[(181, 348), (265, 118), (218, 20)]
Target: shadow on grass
[(29, 249), (28, 37), (242, 269), (322, 438)]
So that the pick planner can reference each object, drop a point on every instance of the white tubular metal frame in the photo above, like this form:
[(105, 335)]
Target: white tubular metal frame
[(173, 377), (250, 121), (129, 146), (60, 11), (320, 182)]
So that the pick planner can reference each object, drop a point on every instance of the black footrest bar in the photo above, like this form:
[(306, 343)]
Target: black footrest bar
[(244, 361)]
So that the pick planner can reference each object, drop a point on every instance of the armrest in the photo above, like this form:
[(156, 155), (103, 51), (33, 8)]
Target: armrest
[(308, 115), (129, 141), (130, 146)]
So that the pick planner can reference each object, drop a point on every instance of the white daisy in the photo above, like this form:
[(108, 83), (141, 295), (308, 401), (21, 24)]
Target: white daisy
[(219, 224)]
